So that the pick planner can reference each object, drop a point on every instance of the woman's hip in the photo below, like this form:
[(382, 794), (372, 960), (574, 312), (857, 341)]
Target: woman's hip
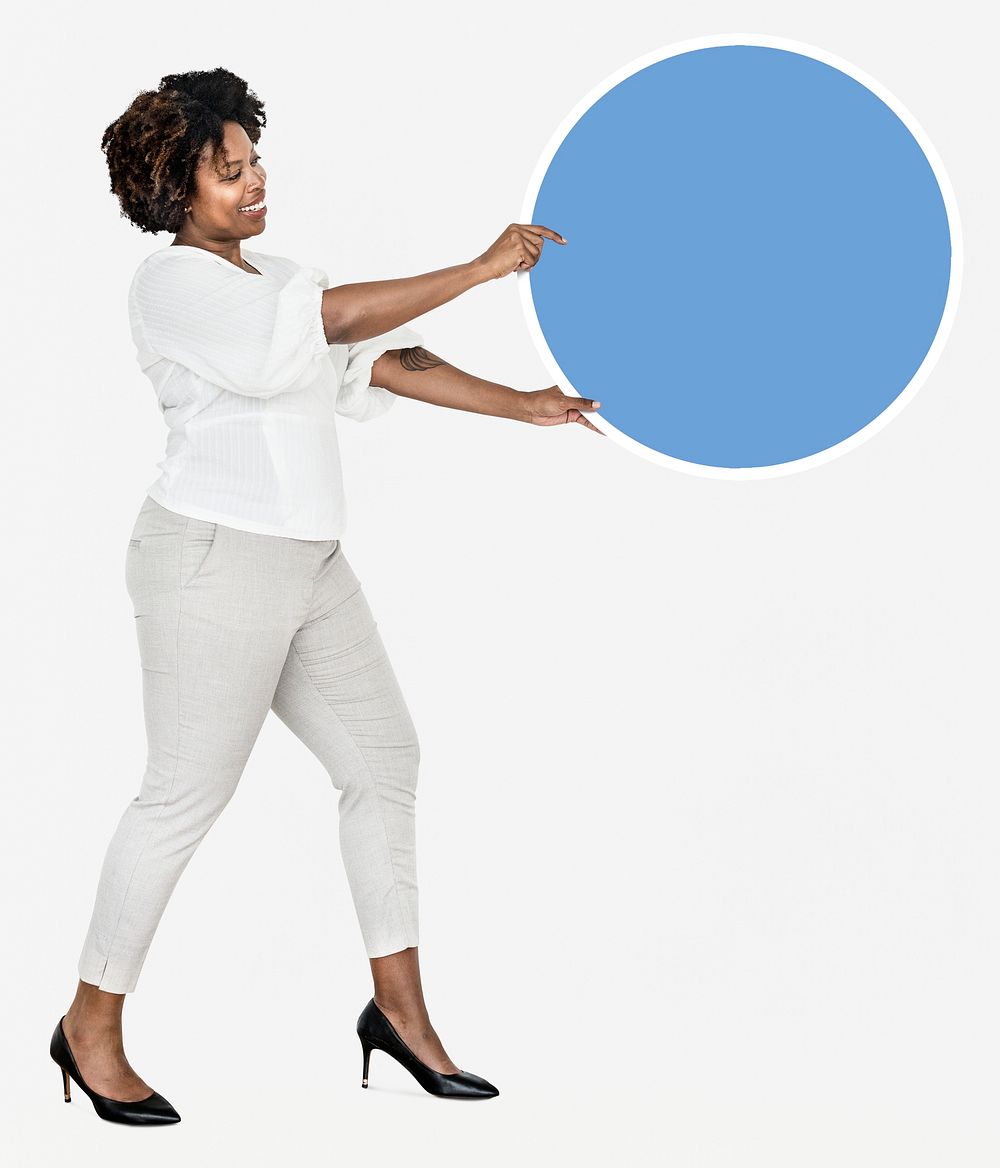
[(239, 579)]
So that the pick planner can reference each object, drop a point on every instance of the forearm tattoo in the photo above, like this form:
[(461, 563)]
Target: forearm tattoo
[(419, 358)]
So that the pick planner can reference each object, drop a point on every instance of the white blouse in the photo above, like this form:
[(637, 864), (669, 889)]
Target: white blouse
[(250, 389)]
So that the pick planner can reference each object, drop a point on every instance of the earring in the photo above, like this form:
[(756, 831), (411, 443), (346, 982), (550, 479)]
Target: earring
[(187, 208)]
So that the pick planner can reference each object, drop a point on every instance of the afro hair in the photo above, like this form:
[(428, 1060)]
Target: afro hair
[(154, 147)]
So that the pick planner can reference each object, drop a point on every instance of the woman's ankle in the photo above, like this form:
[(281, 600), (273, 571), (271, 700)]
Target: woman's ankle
[(95, 1010), (405, 1006)]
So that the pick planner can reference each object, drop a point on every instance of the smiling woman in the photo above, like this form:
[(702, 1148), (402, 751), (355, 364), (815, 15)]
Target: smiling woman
[(243, 597)]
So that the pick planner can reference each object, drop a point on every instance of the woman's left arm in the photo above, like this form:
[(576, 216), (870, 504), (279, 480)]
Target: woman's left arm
[(422, 375)]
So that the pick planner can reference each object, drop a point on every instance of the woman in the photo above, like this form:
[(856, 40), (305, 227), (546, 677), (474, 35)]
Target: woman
[(244, 599)]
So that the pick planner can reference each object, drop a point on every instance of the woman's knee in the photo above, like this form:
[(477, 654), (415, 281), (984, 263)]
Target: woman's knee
[(384, 768)]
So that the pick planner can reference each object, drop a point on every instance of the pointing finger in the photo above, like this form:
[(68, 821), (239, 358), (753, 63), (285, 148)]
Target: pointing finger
[(546, 231)]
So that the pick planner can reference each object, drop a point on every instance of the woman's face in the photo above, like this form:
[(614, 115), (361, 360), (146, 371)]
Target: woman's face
[(220, 192)]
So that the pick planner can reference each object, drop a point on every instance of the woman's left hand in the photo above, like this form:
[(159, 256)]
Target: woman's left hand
[(551, 407)]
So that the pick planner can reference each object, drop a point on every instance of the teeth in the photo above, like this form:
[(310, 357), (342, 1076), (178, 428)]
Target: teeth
[(253, 206)]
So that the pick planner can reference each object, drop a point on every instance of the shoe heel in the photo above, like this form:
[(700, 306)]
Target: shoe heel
[(367, 1048), (65, 1076)]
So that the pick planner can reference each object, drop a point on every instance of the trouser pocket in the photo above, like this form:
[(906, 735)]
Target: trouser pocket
[(198, 541), (167, 552)]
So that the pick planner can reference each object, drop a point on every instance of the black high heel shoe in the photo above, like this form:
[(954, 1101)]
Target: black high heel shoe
[(153, 1109), (378, 1033)]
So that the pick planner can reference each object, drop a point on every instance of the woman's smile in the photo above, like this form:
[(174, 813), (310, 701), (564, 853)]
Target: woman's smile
[(256, 210)]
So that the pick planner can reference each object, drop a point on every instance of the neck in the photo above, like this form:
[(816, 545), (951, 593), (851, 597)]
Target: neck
[(228, 249)]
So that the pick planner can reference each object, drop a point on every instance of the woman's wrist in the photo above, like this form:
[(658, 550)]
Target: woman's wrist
[(478, 271)]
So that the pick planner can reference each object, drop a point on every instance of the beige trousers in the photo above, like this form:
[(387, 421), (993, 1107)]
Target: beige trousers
[(231, 624)]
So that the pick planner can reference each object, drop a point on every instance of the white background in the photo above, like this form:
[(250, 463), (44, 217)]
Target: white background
[(708, 799)]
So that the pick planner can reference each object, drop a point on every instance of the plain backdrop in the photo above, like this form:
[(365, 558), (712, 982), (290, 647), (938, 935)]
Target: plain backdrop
[(708, 800)]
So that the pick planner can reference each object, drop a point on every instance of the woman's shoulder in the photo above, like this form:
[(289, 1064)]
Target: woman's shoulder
[(182, 268), (272, 263), (185, 253), (173, 258), (283, 268)]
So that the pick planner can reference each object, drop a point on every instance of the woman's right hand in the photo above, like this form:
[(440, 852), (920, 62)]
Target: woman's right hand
[(517, 249)]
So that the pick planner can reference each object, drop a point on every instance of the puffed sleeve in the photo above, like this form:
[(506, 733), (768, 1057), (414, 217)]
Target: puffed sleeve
[(250, 334), (357, 398)]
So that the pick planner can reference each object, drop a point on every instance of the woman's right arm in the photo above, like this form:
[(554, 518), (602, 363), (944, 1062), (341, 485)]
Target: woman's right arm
[(355, 312)]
